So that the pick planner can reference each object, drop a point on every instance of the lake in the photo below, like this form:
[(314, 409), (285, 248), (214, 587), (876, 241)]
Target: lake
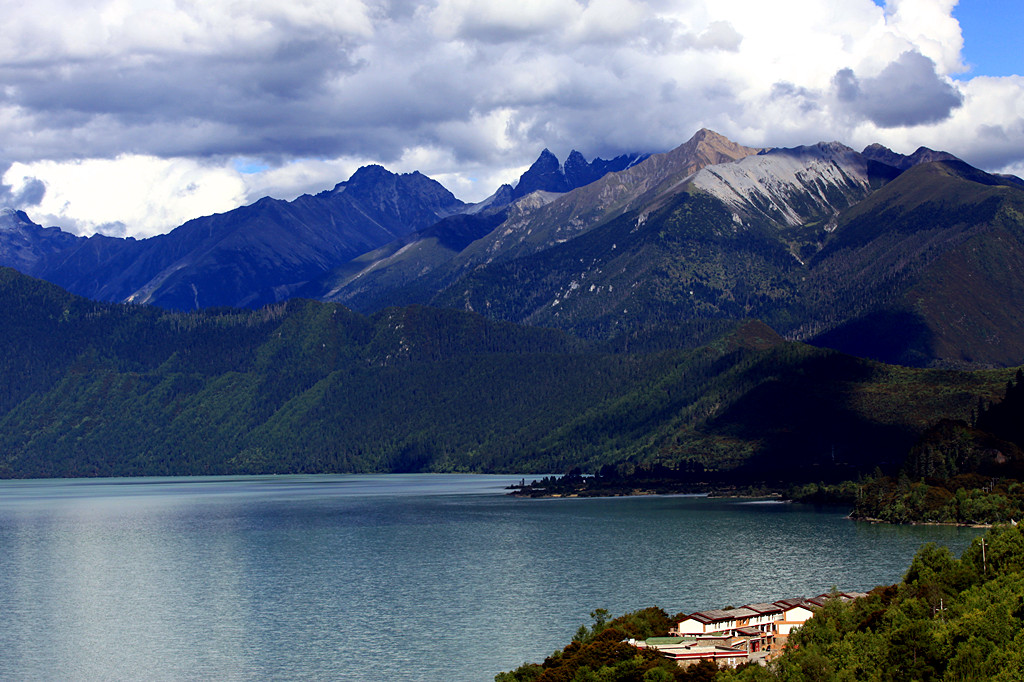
[(379, 577)]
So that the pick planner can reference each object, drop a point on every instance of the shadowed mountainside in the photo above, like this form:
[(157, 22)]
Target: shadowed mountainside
[(92, 389)]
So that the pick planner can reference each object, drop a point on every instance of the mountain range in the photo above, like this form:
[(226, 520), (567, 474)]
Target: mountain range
[(779, 313), (906, 259), (263, 252)]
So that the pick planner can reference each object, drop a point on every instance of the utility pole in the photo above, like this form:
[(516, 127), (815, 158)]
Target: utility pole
[(984, 562)]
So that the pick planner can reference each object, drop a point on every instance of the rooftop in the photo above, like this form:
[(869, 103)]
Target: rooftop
[(764, 608), (723, 614)]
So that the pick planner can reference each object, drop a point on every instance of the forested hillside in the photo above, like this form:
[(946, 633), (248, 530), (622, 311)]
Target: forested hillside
[(958, 471), (100, 389)]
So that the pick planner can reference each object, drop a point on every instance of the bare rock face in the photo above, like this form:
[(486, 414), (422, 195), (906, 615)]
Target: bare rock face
[(545, 174), (26, 246), (548, 175), (790, 186)]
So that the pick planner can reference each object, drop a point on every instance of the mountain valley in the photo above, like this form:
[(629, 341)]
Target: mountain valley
[(721, 305)]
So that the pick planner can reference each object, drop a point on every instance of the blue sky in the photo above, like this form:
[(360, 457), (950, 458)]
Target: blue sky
[(130, 117), (993, 33)]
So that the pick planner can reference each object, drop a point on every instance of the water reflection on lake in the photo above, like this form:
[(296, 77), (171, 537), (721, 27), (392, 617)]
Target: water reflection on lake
[(432, 577)]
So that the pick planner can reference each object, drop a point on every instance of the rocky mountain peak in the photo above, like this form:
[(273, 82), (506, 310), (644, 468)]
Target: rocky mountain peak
[(24, 244), (549, 175), (710, 139), (790, 186), (367, 176), (708, 135), (576, 164), (833, 147), (707, 148), (822, 150), (578, 172), (11, 219), (925, 155), (882, 154), (378, 186), (545, 174)]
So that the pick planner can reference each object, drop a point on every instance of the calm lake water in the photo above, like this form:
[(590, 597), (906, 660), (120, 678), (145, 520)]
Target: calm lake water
[(410, 577)]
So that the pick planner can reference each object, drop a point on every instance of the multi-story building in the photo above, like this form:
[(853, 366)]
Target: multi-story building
[(733, 636)]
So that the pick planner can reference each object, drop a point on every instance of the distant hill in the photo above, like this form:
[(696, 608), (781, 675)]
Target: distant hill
[(270, 250), (90, 389)]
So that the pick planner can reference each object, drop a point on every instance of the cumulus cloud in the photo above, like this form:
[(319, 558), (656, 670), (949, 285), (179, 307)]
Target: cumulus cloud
[(128, 195), (30, 193), (470, 90), (907, 92), (502, 22)]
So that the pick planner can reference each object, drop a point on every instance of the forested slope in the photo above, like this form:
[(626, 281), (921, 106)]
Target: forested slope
[(101, 389)]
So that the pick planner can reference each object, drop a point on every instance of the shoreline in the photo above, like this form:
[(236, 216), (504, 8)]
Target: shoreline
[(779, 497), (872, 520), (542, 493)]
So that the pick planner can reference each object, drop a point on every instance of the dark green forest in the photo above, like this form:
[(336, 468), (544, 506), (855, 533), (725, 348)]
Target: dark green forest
[(957, 472), (948, 619), (91, 389)]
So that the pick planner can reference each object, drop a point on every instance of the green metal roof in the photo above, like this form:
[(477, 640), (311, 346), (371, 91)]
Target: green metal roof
[(662, 641)]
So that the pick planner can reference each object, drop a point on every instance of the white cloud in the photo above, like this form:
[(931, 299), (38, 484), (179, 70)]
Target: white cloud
[(930, 28), (604, 20), (138, 30), (1012, 169), (502, 21), (470, 89), (299, 176), (923, 96), (987, 131), (129, 195)]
